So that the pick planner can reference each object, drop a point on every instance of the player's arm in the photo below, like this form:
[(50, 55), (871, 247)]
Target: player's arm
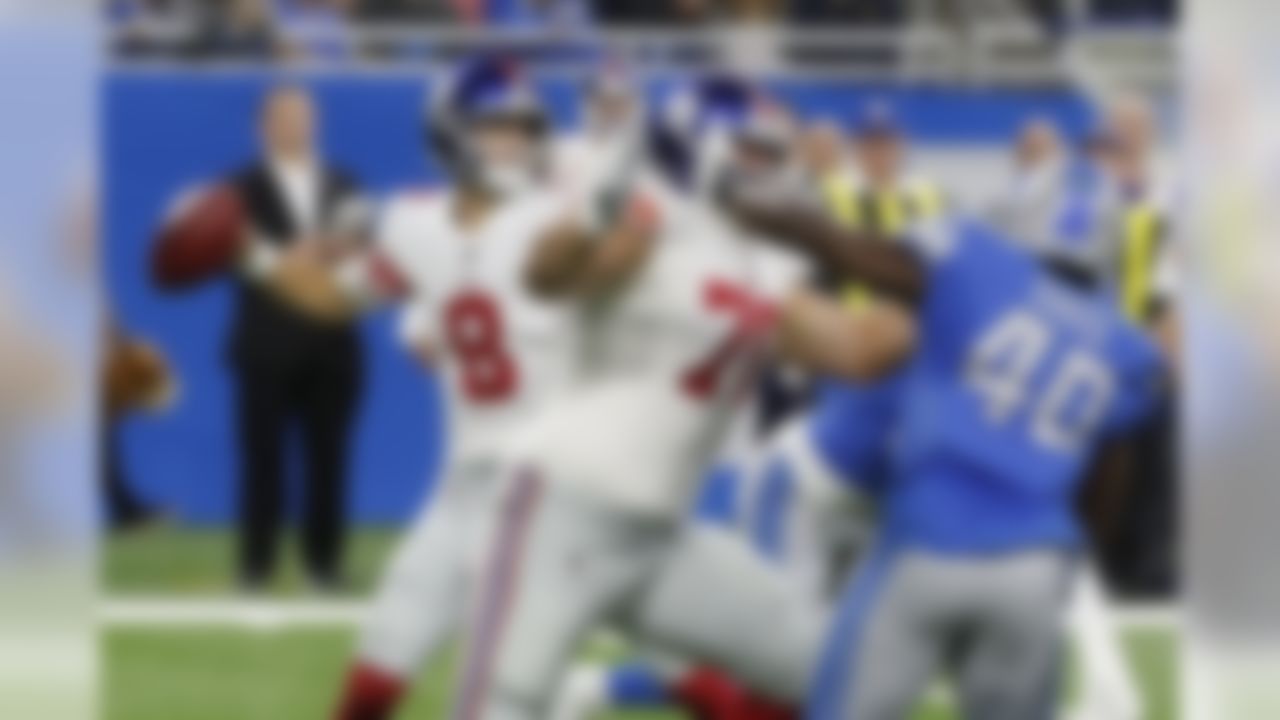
[(828, 337), (573, 259), (1106, 489), (417, 332), (359, 275), (886, 266)]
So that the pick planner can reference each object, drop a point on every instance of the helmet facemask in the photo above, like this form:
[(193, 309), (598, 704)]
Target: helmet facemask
[(758, 160), (507, 153)]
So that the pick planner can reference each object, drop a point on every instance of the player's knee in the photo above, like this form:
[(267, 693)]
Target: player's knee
[(407, 622), (784, 668), (503, 706), (520, 685)]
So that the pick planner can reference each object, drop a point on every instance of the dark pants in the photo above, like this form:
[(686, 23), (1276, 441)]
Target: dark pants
[(125, 509), (317, 397)]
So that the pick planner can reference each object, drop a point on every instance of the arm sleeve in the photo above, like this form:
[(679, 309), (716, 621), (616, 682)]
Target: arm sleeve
[(259, 258), (383, 272), (417, 325)]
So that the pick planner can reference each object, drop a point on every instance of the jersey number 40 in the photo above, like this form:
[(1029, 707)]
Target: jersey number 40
[(1063, 396)]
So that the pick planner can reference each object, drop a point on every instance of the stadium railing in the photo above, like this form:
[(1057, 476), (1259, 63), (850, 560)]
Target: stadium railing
[(999, 53)]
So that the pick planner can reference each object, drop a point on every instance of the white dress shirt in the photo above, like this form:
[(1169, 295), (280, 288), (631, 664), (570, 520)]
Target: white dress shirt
[(299, 182), (300, 185)]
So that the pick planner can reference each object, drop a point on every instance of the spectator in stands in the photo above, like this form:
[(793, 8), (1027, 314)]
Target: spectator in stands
[(153, 28), (873, 13), (316, 28), (1142, 231), (124, 12), (1162, 11), (549, 14), (824, 156), (654, 12), (886, 197), (238, 29), (1035, 186), (416, 10)]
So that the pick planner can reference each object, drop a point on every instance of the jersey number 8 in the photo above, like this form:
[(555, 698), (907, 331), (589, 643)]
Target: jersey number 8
[(474, 326), (1005, 370)]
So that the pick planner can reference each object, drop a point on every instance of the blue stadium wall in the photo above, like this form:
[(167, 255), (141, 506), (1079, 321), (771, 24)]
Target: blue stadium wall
[(166, 131)]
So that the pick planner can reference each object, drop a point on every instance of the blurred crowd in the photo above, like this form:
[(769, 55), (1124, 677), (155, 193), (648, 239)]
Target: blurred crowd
[(275, 29)]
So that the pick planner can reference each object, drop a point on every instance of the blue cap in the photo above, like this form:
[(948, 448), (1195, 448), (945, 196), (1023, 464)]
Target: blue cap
[(878, 121)]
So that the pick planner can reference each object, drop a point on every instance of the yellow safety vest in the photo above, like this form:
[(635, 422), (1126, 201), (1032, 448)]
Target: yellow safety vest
[(1141, 234), (885, 213)]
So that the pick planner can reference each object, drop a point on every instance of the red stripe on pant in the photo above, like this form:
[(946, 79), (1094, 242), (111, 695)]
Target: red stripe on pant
[(501, 588)]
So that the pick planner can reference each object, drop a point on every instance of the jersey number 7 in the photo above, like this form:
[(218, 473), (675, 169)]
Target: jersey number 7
[(751, 317)]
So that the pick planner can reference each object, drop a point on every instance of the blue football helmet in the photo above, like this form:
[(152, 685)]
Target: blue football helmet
[(487, 91), (694, 135)]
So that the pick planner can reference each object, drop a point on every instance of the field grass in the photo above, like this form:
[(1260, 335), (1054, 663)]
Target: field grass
[(221, 674), (227, 674), (168, 560), (293, 673)]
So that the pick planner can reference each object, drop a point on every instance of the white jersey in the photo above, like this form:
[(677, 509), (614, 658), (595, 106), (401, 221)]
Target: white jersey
[(501, 351), (665, 363)]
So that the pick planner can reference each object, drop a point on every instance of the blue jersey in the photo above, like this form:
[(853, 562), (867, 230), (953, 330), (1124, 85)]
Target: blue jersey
[(1017, 380), (852, 425)]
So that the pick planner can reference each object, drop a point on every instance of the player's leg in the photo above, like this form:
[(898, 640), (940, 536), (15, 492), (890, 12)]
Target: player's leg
[(645, 682), (1011, 667), (559, 565), (1108, 690), (885, 643), (716, 601), (640, 683), (419, 604), (800, 515)]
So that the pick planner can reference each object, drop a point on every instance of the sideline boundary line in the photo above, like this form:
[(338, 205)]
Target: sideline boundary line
[(275, 615)]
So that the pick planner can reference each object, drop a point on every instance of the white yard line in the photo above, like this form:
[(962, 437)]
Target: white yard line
[(262, 615), (270, 615)]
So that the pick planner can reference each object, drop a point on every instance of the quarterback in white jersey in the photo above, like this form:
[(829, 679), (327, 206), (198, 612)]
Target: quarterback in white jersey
[(675, 309), (501, 353)]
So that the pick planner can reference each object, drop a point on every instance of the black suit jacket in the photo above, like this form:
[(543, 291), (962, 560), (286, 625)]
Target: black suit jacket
[(265, 330)]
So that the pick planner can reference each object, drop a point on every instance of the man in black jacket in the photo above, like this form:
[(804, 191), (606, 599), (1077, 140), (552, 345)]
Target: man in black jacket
[(294, 370)]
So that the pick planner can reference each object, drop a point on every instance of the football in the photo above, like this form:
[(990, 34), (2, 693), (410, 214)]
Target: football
[(201, 237)]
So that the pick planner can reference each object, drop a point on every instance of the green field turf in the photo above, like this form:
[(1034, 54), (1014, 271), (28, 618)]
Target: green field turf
[(168, 560), (181, 673), (226, 674)]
